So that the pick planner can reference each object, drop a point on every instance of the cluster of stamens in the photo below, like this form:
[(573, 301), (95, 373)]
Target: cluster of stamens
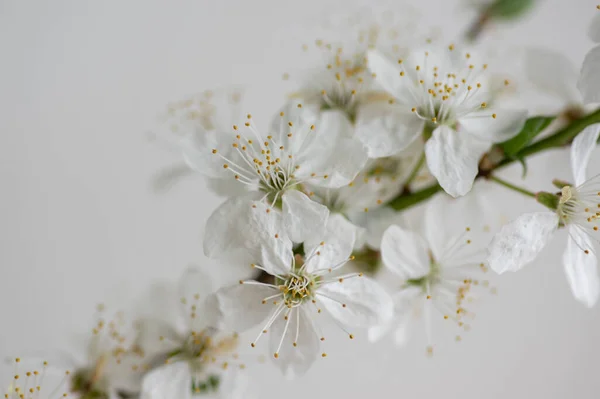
[(30, 384), (298, 288), (441, 97), (269, 164), (581, 206)]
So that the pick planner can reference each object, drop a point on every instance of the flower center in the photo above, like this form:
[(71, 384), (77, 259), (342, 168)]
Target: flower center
[(297, 289), (430, 279)]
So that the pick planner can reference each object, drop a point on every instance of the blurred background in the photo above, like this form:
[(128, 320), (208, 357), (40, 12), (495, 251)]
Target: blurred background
[(81, 85)]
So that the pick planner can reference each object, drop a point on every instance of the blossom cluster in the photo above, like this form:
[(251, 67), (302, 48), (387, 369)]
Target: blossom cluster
[(317, 207)]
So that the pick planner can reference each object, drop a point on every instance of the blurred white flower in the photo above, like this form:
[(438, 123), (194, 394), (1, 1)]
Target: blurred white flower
[(589, 80), (303, 287), (380, 181), (444, 94), (109, 364), (338, 82), (435, 271), (179, 331), (520, 241)]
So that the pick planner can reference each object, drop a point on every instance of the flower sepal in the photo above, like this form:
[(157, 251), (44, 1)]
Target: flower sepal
[(549, 200)]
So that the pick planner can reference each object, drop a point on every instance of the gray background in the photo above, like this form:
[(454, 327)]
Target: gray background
[(80, 84)]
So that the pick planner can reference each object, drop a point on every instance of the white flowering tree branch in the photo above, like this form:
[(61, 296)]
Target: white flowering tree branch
[(557, 140)]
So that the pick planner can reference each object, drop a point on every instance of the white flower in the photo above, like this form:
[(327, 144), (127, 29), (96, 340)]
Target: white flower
[(199, 118), (105, 363), (380, 181), (520, 241), (272, 168), (341, 86), (434, 272), (589, 80), (446, 93), (303, 289), (179, 331)]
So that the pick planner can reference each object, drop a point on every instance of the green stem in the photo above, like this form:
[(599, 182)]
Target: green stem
[(558, 139), (415, 171), (512, 186)]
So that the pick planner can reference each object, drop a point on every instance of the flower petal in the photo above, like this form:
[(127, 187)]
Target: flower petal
[(581, 151), (448, 219), (378, 222), (520, 241), (224, 230), (387, 129), (168, 381), (195, 285), (294, 360), (581, 268), (241, 225), (404, 253), (302, 217), (240, 306), (594, 30), (542, 69), (338, 166), (589, 80), (366, 302), (334, 245), (507, 124), (452, 158), (387, 75), (403, 312)]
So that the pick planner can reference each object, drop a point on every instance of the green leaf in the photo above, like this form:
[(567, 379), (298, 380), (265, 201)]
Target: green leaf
[(533, 127), (509, 9), (524, 165)]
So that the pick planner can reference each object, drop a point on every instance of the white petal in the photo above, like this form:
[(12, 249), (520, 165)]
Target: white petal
[(387, 129), (171, 381), (594, 31), (302, 217), (520, 241), (447, 220), (225, 230), (197, 152), (589, 80), (240, 223), (195, 285), (581, 151), (240, 306), (268, 239), (339, 166), (553, 73), (338, 240), (295, 360), (301, 119), (404, 253), (452, 158), (335, 121), (581, 268), (404, 302), (378, 222), (387, 75), (366, 302), (507, 124)]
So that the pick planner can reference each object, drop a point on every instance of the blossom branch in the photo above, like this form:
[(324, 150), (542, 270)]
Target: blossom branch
[(558, 139), (513, 187)]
